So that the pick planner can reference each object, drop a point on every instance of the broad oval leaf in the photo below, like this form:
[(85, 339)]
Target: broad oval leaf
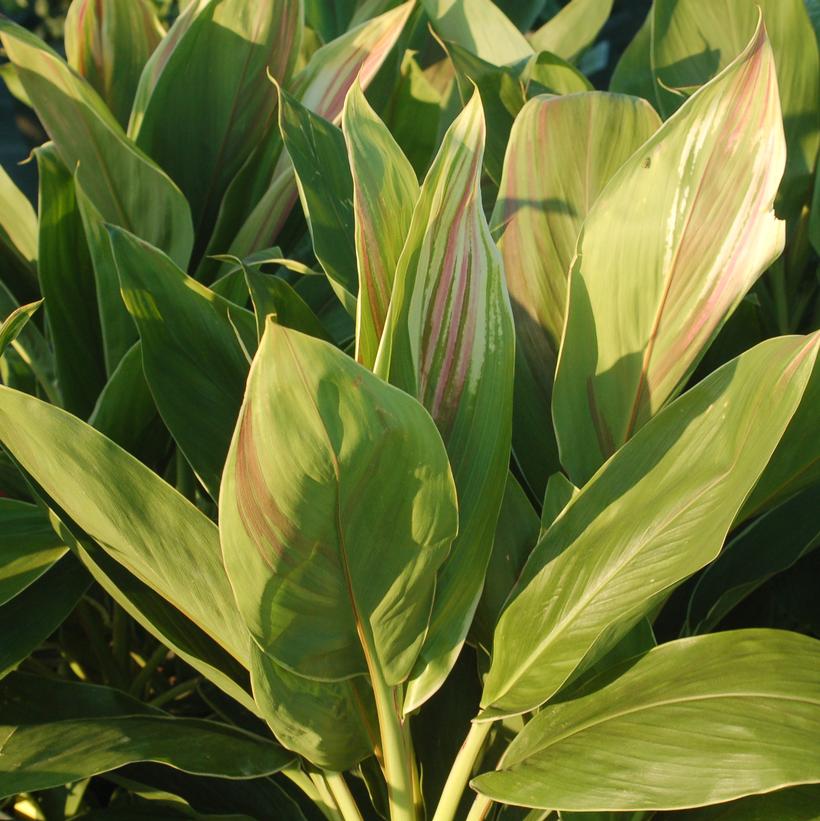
[(139, 520), (385, 190), (193, 359), (562, 152), (449, 341), (126, 187), (670, 247), (109, 43), (333, 532), (200, 123), (696, 721), (655, 513)]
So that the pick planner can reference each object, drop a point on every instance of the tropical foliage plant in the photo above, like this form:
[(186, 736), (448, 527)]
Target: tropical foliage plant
[(394, 426)]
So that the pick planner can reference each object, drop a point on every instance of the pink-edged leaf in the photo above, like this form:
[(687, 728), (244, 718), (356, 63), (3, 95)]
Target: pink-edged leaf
[(562, 152), (667, 252), (449, 340)]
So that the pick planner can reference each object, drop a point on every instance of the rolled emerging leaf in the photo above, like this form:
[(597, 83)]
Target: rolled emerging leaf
[(667, 252), (655, 513), (109, 43), (449, 340), (385, 190), (749, 697), (332, 537), (562, 152)]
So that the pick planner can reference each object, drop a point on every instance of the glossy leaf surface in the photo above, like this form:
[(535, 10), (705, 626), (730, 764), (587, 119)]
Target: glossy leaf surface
[(751, 698), (654, 514)]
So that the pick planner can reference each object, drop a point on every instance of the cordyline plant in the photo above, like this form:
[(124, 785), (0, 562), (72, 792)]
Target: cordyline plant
[(334, 492)]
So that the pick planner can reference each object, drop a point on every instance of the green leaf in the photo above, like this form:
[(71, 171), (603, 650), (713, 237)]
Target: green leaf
[(329, 20), (28, 547), (201, 124), (562, 153), (516, 533), (794, 804), (67, 284), (385, 190), (34, 614), (262, 195), (633, 71), (573, 29), (272, 296), (796, 462), (685, 227), (193, 362), (142, 522), (125, 186), (329, 586), (317, 151), (39, 756), (480, 27), (694, 722), (15, 322), (655, 513), (559, 493), (502, 97), (749, 559), (547, 72), (449, 341), (18, 237), (332, 724), (692, 41), (109, 44)]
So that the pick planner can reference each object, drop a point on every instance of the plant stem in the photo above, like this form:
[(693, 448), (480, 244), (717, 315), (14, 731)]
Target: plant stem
[(467, 758), (481, 806), (144, 676), (398, 763), (341, 793), (175, 692), (325, 800)]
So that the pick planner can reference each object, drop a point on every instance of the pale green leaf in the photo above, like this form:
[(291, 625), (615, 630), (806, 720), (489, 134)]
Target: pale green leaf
[(385, 190), (655, 513), (697, 721), (562, 152), (667, 252), (18, 236), (332, 538), (573, 29), (140, 521), (14, 323)]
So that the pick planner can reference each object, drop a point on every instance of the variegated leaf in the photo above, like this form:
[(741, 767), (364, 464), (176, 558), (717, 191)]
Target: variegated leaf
[(562, 152), (449, 341), (321, 87), (667, 252), (574, 28), (332, 537), (385, 190)]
